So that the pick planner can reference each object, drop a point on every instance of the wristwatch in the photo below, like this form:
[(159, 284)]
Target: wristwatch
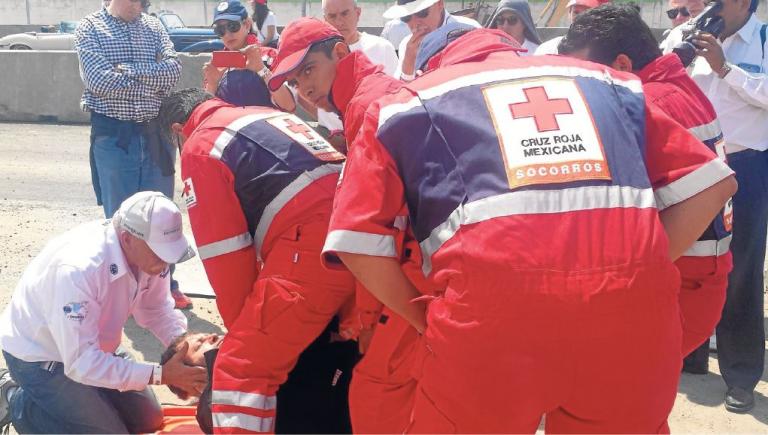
[(264, 73), (724, 70)]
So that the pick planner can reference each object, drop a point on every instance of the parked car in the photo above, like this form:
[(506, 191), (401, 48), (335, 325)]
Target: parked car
[(61, 38), (185, 39), (188, 39)]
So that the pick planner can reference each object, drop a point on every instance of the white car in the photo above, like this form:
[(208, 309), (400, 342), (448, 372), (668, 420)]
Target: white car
[(64, 39)]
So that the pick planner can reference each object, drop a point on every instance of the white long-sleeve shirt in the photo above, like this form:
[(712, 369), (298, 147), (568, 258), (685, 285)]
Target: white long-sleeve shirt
[(741, 98), (71, 305)]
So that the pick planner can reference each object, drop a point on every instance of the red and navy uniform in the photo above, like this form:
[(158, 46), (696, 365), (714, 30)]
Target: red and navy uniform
[(383, 387), (259, 186), (705, 266), (538, 218)]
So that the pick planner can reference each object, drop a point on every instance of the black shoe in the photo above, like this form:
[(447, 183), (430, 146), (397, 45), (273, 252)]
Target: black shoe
[(697, 362), (6, 383), (695, 368), (739, 400)]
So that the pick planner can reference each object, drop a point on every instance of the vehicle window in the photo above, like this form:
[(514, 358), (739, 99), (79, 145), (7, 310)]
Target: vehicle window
[(67, 27), (172, 21)]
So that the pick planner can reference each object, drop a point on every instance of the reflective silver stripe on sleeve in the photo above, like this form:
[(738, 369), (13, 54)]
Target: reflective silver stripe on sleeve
[(693, 183), (355, 242), (709, 248), (287, 194), (225, 246), (706, 131), (239, 398), (533, 202), (248, 422)]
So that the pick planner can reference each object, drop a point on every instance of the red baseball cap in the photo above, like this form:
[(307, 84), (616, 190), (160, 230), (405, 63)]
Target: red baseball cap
[(295, 41)]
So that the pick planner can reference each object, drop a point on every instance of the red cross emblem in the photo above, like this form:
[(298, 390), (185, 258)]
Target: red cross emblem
[(539, 107), (298, 128), (187, 188)]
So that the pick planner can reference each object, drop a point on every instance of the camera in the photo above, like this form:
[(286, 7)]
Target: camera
[(708, 22)]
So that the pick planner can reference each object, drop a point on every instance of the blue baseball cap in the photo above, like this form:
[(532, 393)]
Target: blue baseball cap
[(231, 10), (437, 40)]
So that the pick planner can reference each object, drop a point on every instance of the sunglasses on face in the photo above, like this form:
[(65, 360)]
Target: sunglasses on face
[(420, 14), (512, 21), (672, 13), (229, 26)]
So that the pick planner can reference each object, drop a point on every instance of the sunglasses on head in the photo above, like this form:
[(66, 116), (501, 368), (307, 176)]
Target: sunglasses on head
[(420, 14), (672, 13), (513, 20), (229, 26)]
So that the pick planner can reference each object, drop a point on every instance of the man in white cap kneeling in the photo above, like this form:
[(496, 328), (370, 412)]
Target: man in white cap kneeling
[(61, 331)]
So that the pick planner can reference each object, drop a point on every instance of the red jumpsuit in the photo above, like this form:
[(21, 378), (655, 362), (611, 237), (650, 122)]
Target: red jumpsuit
[(383, 388), (537, 217), (259, 186), (705, 266)]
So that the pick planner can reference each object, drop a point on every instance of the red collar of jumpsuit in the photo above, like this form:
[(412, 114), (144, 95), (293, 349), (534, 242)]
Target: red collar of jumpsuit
[(358, 83), (472, 47)]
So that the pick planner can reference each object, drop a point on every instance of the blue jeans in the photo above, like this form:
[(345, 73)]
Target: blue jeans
[(740, 334), (50, 402), (122, 163)]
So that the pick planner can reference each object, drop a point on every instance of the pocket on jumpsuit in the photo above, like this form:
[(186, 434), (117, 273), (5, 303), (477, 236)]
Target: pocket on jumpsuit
[(428, 418), (276, 315)]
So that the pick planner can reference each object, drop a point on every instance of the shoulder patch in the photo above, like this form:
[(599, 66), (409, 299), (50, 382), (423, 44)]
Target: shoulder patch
[(188, 194), (299, 132)]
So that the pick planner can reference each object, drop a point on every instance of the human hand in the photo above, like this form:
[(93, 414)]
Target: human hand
[(364, 339), (253, 61), (411, 50), (708, 47), (190, 379), (211, 76)]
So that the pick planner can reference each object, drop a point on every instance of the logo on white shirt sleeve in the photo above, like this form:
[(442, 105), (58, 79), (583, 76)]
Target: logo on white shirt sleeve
[(76, 311)]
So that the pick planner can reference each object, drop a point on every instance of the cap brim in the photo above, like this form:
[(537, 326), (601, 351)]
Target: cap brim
[(228, 17), (174, 252), (290, 63), (400, 11)]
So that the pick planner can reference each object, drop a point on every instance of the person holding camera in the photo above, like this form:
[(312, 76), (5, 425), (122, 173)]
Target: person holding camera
[(731, 70), (243, 86)]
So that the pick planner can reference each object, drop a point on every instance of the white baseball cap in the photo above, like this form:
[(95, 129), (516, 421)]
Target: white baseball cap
[(154, 218), (407, 7)]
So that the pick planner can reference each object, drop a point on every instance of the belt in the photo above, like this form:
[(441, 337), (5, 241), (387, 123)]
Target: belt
[(50, 366)]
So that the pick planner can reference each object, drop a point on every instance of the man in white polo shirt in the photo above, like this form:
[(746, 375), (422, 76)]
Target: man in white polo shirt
[(344, 16), (61, 332)]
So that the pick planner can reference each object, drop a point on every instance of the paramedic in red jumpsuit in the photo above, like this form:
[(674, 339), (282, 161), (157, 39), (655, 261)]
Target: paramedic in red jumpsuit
[(382, 389), (704, 267), (259, 187), (537, 218)]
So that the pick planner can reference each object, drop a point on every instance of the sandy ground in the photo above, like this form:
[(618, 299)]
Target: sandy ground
[(45, 189)]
